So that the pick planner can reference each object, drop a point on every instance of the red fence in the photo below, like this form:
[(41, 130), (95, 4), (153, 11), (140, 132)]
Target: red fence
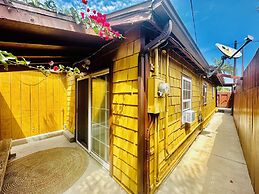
[(246, 116), (224, 99)]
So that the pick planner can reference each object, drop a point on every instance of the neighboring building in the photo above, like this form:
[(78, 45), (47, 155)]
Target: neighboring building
[(116, 111)]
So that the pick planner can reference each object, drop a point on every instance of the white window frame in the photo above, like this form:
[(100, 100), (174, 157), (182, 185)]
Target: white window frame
[(186, 100), (205, 94), (213, 92)]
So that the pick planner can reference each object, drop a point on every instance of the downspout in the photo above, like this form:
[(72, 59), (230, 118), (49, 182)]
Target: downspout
[(165, 34), (163, 37), (166, 105)]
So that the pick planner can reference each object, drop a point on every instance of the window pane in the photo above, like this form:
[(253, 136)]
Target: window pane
[(100, 116), (186, 105), (188, 87), (186, 94), (189, 95)]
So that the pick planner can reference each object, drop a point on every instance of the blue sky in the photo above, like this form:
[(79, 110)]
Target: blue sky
[(217, 21), (222, 21)]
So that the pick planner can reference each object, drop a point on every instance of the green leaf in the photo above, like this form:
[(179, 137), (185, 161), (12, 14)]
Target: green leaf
[(3, 59), (61, 67), (96, 30), (76, 70)]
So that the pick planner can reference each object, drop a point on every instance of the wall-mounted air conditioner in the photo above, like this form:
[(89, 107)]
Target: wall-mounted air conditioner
[(188, 116)]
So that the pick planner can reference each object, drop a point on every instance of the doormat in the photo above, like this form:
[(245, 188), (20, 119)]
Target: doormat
[(48, 171)]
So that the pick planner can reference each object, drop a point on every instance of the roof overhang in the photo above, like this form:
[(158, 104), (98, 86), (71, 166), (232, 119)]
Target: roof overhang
[(42, 36), (159, 12)]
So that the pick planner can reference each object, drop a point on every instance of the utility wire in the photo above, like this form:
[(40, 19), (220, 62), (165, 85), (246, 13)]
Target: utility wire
[(193, 20)]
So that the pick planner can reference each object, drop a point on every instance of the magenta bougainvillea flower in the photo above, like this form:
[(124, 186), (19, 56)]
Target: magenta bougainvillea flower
[(98, 22), (55, 68), (84, 2), (83, 15)]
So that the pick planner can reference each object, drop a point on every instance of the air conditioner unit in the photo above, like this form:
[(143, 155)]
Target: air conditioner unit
[(188, 116)]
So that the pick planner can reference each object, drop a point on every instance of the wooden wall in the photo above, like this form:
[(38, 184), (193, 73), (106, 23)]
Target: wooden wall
[(31, 104), (246, 116), (179, 138), (125, 113), (71, 104)]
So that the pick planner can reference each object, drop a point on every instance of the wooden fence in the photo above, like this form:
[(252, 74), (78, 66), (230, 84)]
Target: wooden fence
[(224, 99), (246, 116)]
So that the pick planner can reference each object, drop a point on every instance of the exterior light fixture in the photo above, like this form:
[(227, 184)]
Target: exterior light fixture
[(163, 89)]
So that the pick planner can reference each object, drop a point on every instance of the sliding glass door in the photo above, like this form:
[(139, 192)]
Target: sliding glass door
[(100, 117), (93, 114)]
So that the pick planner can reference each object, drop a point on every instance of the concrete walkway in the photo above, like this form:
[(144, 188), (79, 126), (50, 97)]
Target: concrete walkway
[(214, 164)]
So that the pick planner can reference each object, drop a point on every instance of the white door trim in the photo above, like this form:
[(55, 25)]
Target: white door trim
[(89, 150)]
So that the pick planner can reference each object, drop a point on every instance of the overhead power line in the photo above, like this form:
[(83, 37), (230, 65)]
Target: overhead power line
[(193, 20)]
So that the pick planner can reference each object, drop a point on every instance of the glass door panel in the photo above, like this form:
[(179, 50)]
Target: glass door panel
[(82, 114), (100, 117)]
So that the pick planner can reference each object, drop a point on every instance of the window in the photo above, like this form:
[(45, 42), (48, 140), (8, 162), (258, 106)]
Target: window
[(204, 93), (213, 92), (186, 94)]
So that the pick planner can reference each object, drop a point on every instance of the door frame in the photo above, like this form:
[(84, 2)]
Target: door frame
[(89, 150), (89, 115)]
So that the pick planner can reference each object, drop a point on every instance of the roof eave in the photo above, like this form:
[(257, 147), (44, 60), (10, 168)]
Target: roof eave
[(185, 36), (148, 12)]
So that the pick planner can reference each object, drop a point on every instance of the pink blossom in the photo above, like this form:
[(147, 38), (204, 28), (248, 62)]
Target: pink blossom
[(83, 15), (51, 63), (106, 24), (101, 34), (55, 68), (84, 2)]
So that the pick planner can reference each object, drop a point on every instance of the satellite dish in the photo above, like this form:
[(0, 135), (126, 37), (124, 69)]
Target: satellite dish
[(228, 51)]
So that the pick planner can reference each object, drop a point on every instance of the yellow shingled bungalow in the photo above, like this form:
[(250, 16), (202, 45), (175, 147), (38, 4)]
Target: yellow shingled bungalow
[(138, 108)]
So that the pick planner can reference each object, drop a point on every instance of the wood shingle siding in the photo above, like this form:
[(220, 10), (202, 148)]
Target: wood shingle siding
[(178, 137), (125, 115)]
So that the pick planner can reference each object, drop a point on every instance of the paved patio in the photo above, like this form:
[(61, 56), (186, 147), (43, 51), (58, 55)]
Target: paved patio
[(95, 179), (214, 164)]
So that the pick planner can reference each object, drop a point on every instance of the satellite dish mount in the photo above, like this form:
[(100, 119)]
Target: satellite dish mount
[(229, 53)]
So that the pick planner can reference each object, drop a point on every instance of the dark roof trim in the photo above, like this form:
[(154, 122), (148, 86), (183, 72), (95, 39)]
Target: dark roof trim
[(22, 13), (129, 11), (152, 9), (167, 5), (161, 38)]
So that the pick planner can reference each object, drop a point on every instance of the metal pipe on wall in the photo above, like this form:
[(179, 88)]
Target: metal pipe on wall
[(166, 106), (156, 69), (156, 130), (156, 162)]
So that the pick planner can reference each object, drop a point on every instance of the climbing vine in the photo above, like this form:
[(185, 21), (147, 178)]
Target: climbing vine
[(7, 59)]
